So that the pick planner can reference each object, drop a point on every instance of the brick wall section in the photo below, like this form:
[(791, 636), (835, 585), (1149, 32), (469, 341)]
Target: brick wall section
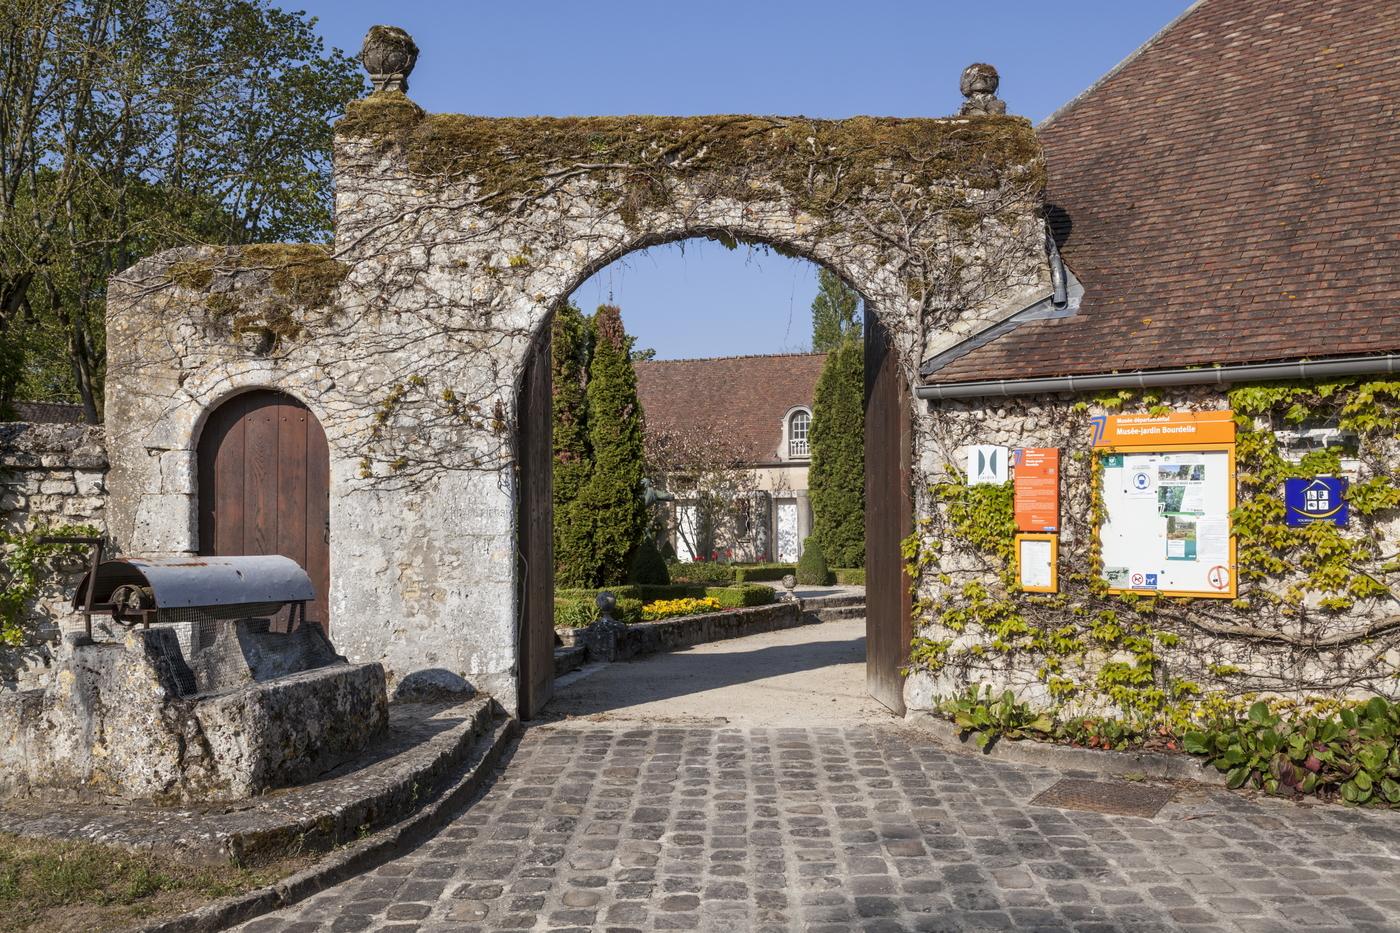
[(50, 474)]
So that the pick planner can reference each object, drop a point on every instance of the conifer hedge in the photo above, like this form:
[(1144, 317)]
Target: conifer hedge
[(612, 496), (573, 530), (836, 482)]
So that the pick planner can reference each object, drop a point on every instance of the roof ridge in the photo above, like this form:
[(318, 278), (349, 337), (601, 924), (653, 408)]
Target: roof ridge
[(737, 356), (1127, 60)]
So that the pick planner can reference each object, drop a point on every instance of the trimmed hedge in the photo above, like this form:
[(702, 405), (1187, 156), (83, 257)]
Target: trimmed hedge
[(811, 569), (714, 572), (575, 608), (850, 576)]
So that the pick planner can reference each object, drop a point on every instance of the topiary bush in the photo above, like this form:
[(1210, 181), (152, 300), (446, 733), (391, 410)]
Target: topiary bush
[(648, 566), (741, 596), (811, 566), (850, 576), (759, 573), (701, 572)]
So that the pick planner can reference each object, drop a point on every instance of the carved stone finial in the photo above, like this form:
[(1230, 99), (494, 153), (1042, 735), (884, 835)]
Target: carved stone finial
[(389, 55), (979, 85)]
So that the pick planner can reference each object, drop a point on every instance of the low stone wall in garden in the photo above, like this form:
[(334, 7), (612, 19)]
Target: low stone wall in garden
[(642, 638), (52, 476)]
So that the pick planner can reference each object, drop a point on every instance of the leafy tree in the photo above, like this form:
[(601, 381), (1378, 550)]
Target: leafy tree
[(836, 312), (573, 459), (129, 126), (613, 496), (642, 356), (836, 480)]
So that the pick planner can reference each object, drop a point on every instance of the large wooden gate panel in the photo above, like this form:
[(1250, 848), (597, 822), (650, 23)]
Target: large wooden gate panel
[(264, 486), (535, 521), (889, 517)]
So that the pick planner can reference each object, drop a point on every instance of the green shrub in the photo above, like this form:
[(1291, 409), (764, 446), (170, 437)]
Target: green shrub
[(811, 568), (648, 566), (990, 718), (1354, 755), (579, 611), (574, 613), (738, 597), (699, 571), (762, 573), (850, 576)]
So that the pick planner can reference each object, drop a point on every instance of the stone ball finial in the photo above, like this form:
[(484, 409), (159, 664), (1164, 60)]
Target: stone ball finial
[(979, 85), (389, 55)]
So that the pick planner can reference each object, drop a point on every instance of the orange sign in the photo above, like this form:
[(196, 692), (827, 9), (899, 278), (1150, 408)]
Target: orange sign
[(1155, 432), (1036, 489)]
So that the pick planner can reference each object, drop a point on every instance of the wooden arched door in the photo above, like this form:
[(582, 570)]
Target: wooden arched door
[(264, 486)]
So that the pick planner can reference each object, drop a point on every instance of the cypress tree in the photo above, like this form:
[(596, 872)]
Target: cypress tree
[(835, 312), (613, 493), (573, 532), (836, 480)]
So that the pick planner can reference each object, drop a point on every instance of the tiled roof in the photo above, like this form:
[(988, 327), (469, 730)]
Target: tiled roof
[(742, 398), (1230, 194)]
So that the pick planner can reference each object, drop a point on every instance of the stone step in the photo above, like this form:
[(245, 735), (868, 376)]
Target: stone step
[(569, 659), (834, 601), (833, 613)]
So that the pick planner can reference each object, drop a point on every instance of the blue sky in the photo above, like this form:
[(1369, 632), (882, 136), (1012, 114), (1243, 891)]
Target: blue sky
[(815, 58)]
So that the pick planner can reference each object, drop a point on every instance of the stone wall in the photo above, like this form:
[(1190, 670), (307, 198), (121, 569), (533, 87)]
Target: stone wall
[(456, 237), (51, 475), (1274, 639)]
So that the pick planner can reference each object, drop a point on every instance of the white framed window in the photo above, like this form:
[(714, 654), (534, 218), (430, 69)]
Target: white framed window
[(799, 432)]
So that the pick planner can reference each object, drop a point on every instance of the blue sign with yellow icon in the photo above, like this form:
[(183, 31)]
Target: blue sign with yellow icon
[(1321, 499)]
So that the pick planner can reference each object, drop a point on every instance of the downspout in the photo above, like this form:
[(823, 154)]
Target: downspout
[(1215, 375)]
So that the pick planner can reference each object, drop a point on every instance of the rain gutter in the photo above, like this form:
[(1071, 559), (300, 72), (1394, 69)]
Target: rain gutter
[(1214, 375)]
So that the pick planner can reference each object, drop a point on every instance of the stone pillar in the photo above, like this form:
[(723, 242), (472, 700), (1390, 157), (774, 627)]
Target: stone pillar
[(804, 516)]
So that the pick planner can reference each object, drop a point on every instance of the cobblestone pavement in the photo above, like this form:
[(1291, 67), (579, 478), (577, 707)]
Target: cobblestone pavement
[(632, 826)]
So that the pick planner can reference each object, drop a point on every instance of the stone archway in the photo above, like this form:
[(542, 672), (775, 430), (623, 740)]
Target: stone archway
[(455, 237)]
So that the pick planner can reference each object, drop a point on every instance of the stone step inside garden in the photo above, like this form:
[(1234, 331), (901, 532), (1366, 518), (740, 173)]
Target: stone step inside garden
[(427, 749)]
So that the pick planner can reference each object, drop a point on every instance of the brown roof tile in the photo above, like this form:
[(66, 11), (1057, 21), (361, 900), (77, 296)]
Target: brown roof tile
[(1230, 194), (743, 397)]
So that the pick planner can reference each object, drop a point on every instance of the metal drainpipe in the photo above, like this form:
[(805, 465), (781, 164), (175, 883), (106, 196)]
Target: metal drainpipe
[(1215, 375)]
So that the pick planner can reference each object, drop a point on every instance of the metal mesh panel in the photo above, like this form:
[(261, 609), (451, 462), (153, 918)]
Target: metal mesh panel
[(205, 655)]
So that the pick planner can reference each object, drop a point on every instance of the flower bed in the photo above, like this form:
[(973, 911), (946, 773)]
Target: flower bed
[(685, 606)]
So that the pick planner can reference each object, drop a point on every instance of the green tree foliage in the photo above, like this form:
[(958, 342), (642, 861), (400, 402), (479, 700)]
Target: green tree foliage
[(573, 459), (613, 494), (836, 312), (130, 126), (837, 477), (812, 569)]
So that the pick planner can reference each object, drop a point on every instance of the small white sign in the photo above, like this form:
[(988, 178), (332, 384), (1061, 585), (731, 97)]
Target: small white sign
[(987, 463)]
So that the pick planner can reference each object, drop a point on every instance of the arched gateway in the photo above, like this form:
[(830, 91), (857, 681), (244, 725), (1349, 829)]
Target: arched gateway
[(456, 236)]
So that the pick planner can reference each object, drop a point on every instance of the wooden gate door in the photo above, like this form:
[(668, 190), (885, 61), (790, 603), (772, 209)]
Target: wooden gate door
[(889, 517), (535, 535), (264, 486)]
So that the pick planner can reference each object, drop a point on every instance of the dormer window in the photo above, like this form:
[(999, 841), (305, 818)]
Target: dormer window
[(799, 429)]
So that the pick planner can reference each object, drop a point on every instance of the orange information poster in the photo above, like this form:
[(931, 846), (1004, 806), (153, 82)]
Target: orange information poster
[(1036, 489), (1159, 432)]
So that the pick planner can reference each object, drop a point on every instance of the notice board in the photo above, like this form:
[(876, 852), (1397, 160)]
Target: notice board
[(1167, 501), (1036, 493)]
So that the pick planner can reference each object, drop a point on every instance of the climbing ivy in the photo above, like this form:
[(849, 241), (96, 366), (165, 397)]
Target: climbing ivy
[(27, 565), (1093, 650)]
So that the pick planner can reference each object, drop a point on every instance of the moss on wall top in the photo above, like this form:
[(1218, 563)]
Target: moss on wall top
[(819, 164)]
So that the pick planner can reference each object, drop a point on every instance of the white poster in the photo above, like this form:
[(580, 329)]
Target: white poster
[(1167, 522), (1037, 564), (987, 463)]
